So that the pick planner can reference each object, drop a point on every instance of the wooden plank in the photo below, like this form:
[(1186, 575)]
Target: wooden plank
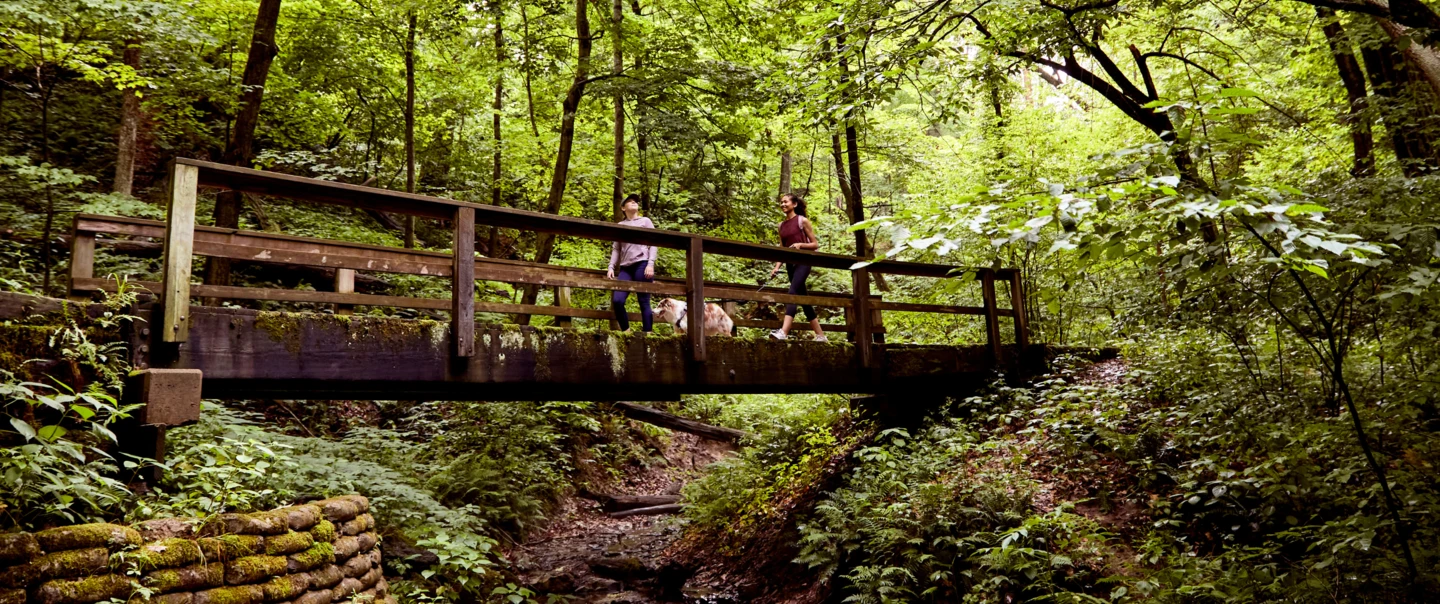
[(538, 276), (462, 288), (562, 300), (274, 248), (992, 318), (179, 237), (927, 308), (864, 341), (1017, 306), (835, 327), (344, 284), (730, 293), (82, 262), (695, 296)]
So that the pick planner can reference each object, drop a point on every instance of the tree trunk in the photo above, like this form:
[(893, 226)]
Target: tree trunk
[(410, 125), (787, 165), (617, 65), (129, 126), (493, 249), (660, 418), (529, 93), (1354, 81), (856, 205), (641, 141), (240, 149), (1423, 58), (1402, 113), (838, 158), (545, 245)]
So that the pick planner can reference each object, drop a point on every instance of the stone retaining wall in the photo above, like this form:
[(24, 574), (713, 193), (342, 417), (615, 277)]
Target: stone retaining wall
[(319, 553)]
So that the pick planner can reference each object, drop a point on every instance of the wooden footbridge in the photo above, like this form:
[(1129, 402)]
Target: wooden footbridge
[(250, 354)]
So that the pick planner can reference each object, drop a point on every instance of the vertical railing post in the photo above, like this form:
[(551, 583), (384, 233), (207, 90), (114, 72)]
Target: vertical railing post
[(992, 315), (562, 299), (344, 284), (179, 251), (82, 263), (462, 288), (864, 341), (1017, 303), (877, 322), (695, 297)]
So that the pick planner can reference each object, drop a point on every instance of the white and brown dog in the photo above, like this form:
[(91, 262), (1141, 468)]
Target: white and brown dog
[(673, 311)]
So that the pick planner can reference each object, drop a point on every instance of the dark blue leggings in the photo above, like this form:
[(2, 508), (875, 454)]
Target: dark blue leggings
[(798, 275), (632, 272)]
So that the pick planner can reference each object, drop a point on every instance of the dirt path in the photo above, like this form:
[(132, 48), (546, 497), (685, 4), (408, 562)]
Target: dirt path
[(588, 555)]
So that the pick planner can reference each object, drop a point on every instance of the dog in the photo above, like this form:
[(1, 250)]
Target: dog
[(717, 323)]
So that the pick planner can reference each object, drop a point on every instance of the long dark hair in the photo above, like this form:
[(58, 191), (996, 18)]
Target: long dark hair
[(799, 202)]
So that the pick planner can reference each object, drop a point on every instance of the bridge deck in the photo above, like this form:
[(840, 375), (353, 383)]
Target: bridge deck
[(251, 354)]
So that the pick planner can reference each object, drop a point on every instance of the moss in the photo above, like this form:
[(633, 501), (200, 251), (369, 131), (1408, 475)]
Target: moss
[(16, 548), (288, 543), (88, 535), (85, 590), (166, 553), (283, 588), (70, 563), (185, 579), (251, 569), (324, 532), (320, 553), (229, 547), (243, 594)]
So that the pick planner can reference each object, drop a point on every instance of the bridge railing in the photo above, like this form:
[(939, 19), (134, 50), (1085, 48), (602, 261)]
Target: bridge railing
[(183, 239)]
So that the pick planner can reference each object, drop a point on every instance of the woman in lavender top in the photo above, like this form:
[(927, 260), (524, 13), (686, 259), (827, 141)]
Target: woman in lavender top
[(635, 263)]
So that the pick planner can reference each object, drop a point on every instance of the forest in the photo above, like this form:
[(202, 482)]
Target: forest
[(1240, 196)]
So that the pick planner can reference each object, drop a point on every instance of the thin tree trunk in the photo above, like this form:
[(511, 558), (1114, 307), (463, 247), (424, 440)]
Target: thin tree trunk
[(787, 165), (529, 93), (838, 158), (856, 206), (46, 253), (1354, 81), (641, 140), (129, 126), (410, 125), (240, 148), (493, 248), (617, 65), (545, 246)]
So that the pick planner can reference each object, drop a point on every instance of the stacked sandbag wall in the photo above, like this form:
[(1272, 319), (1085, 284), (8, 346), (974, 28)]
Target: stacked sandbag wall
[(322, 552)]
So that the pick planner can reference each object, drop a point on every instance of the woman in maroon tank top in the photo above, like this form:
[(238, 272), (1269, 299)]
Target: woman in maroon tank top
[(796, 232)]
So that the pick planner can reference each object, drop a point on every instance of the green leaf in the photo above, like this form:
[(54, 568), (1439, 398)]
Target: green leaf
[(51, 433), (1238, 92), (23, 428)]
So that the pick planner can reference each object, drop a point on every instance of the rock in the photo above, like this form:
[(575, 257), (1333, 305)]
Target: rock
[(624, 597), (173, 552), (346, 547), (319, 596), (326, 577), (166, 528), (357, 525), (348, 587), (597, 585), (81, 536), (288, 543), (73, 563), (356, 566), (230, 547), (253, 569), (286, 587), (18, 548), (318, 554), (323, 532), (339, 509), (622, 568), (557, 581), (83, 591), (12, 596), (239, 594), (259, 523), (186, 579), (302, 517)]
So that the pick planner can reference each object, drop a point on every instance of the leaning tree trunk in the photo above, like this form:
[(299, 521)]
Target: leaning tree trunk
[(1354, 81), (129, 126), (545, 246), (240, 149), (641, 140), (787, 166), (410, 125), (1396, 91)]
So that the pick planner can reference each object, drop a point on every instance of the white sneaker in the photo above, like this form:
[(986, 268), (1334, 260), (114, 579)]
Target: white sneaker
[(779, 335), (821, 338)]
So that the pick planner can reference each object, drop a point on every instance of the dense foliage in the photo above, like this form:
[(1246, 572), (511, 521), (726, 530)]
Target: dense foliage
[(1242, 194)]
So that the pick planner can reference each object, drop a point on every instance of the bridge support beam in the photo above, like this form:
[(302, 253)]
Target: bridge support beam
[(169, 398), (179, 250)]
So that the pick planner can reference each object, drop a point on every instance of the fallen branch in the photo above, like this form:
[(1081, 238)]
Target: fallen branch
[(672, 508), (619, 503), (679, 424)]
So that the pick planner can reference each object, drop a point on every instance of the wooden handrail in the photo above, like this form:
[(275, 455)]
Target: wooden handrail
[(184, 239)]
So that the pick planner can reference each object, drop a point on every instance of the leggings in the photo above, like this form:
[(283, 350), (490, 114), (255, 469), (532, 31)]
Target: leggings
[(632, 272), (798, 275)]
